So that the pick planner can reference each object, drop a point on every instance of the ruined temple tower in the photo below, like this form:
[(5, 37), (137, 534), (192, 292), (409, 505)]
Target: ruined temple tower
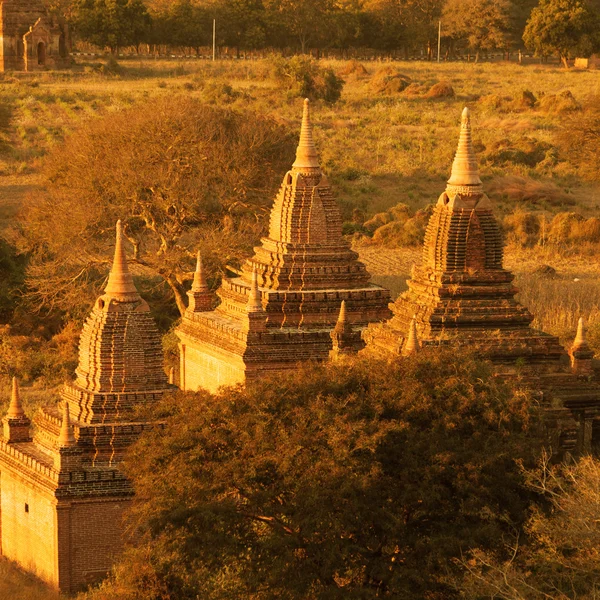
[(30, 39), (285, 303), (62, 490), (461, 293)]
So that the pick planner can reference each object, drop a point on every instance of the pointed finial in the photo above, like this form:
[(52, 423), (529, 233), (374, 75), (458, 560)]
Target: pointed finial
[(15, 410), (412, 343), (199, 284), (66, 438), (306, 154), (254, 297), (120, 282), (580, 338), (343, 317), (465, 170)]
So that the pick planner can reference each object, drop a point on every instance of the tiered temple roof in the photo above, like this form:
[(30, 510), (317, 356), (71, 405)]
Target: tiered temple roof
[(72, 463), (461, 292), (303, 271), (461, 295)]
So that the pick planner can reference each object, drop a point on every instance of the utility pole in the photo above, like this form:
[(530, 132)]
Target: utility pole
[(214, 38), (439, 38)]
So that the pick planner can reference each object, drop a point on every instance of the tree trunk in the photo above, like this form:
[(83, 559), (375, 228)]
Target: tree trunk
[(565, 61), (178, 293), (477, 56)]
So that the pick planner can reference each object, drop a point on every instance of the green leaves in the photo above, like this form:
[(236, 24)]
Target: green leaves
[(566, 27), (361, 480)]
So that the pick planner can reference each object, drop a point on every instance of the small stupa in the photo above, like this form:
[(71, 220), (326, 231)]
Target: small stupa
[(63, 491), (285, 302)]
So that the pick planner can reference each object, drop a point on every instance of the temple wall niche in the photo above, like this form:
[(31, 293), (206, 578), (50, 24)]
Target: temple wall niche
[(28, 526)]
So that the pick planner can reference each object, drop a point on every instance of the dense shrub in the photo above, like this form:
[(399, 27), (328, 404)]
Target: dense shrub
[(306, 77), (180, 174), (399, 227), (443, 89), (522, 228), (523, 151), (579, 139), (356, 481), (564, 102), (388, 81)]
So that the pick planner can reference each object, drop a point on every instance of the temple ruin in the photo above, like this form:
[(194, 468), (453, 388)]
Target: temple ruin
[(30, 39), (62, 491), (285, 302)]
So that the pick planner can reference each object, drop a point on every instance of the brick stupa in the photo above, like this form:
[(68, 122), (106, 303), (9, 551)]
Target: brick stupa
[(63, 493), (461, 293), (285, 303)]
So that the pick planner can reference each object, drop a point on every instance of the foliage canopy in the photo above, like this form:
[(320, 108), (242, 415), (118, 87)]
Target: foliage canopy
[(361, 480), (181, 175), (566, 27)]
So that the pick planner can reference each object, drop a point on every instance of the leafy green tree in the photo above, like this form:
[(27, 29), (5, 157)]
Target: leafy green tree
[(183, 24), (390, 29), (112, 23), (482, 24), (354, 481), (180, 175), (565, 27), (306, 21)]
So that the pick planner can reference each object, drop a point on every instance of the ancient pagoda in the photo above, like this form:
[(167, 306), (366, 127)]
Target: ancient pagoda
[(461, 293), (30, 38), (285, 302), (63, 493)]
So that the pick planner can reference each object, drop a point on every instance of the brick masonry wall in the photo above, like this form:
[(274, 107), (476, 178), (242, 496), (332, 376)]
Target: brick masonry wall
[(28, 537), (204, 369), (95, 539)]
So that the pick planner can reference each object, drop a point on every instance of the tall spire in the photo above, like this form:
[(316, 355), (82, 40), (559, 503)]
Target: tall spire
[(343, 318), (254, 298), (580, 339), (412, 343), (66, 438), (465, 170), (120, 282), (199, 284), (581, 353), (15, 410), (306, 154)]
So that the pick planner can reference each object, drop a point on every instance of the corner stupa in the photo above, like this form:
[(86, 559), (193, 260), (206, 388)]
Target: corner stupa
[(300, 274)]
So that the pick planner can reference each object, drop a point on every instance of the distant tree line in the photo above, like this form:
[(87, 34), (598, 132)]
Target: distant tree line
[(407, 27)]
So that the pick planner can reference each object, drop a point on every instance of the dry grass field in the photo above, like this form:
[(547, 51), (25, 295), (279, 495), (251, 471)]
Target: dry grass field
[(379, 150)]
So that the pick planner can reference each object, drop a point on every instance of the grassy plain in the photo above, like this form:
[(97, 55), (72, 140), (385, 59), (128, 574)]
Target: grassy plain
[(379, 150)]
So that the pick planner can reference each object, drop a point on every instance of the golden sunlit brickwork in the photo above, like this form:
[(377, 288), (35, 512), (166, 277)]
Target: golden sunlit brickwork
[(63, 493), (461, 294), (284, 304), (30, 39)]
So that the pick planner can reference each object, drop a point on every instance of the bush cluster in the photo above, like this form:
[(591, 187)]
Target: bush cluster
[(305, 77)]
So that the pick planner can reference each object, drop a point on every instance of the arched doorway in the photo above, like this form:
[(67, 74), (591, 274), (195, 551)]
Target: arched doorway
[(41, 53), (62, 46)]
